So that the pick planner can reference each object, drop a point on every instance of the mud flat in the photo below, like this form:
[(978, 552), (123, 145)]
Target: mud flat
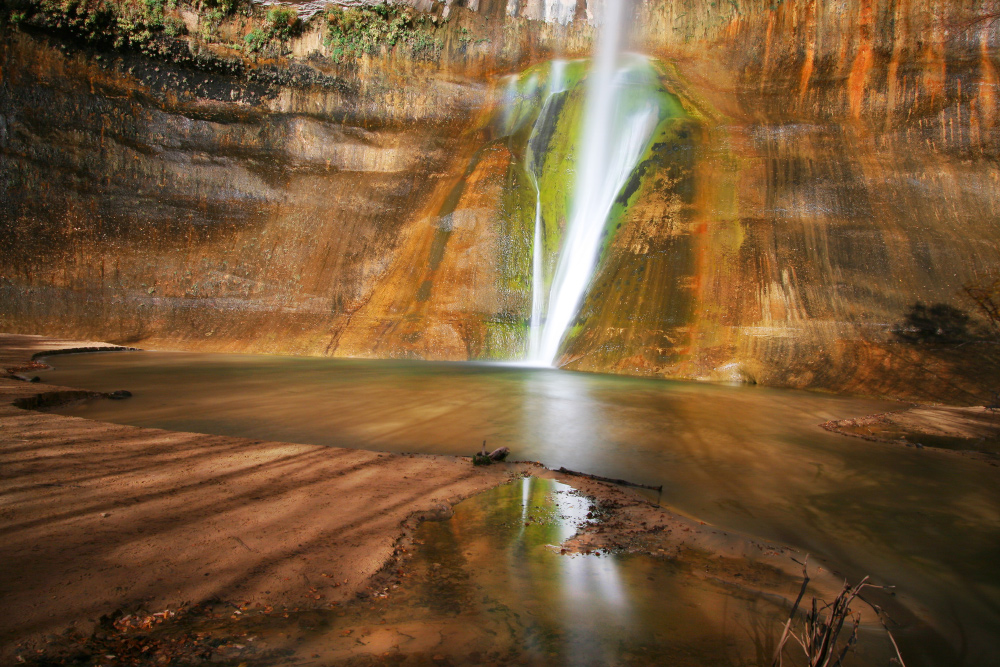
[(98, 517), (969, 431)]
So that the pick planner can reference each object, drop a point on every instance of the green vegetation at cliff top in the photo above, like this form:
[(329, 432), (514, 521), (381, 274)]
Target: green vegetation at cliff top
[(356, 31), (155, 27), (149, 25), (105, 23), (281, 24)]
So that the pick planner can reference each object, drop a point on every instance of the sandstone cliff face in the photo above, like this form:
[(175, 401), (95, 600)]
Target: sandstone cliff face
[(845, 172), (837, 168), (146, 202)]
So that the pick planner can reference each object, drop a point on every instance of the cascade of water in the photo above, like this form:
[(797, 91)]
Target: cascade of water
[(557, 84), (509, 102), (557, 76), (615, 134), (537, 280)]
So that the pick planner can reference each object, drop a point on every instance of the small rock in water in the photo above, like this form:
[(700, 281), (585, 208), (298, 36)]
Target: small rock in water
[(119, 395)]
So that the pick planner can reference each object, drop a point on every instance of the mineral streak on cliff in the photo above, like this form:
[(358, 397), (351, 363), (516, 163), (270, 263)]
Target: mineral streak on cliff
[(838, 168), (242, 204), (849, 171)]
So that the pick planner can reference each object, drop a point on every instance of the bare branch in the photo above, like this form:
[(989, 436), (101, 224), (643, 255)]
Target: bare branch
[(788, 625), (823, 624)]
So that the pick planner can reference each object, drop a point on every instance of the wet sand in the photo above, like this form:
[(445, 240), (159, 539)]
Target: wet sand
[(98, 517), (973, 432)]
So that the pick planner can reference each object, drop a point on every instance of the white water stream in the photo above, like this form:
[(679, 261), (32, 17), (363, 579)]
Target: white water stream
[(537, 276), (616, 131), (557, 84)]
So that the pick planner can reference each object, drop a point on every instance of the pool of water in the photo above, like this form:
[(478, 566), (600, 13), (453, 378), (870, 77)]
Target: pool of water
[(744, 458)]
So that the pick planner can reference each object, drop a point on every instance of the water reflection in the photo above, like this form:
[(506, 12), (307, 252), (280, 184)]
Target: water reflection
[(584, 587), (588, 582), (580, 609), (564, 419)]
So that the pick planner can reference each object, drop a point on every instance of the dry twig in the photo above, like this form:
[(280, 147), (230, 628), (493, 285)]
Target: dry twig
[(821, 626)]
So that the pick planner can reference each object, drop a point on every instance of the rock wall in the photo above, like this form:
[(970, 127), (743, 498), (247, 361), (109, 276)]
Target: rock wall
[(841, 167), (148, 202), (846, 172)]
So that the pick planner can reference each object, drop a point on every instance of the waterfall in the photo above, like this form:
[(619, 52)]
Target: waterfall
[(556, 84), (537, 278), (617, 128)]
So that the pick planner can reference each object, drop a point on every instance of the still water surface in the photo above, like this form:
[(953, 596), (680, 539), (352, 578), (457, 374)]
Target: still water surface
[(744, 458)]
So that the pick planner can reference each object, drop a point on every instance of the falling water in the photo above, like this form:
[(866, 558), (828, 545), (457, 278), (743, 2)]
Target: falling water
[(616, 131), (557, 84), (537, 277)]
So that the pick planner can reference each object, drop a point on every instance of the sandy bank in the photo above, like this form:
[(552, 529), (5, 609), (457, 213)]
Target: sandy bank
[(973, 432), (98, 516)]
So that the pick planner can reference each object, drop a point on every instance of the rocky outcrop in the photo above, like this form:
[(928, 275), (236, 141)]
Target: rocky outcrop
[(838, 168)]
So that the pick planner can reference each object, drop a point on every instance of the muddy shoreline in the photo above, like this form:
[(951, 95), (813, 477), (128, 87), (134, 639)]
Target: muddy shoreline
[(100, 517), (970, 432)]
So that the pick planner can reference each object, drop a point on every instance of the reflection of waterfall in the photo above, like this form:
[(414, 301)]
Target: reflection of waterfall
[(592, 588), (618, 124)]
